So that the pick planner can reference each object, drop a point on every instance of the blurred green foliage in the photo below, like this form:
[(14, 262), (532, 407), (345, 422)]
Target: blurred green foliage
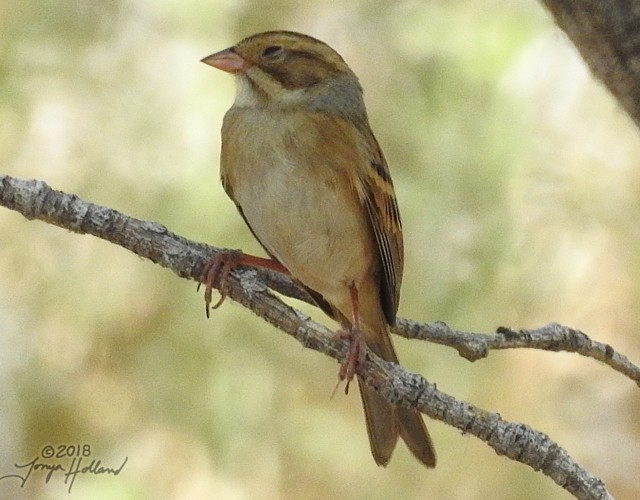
[(518, 183)]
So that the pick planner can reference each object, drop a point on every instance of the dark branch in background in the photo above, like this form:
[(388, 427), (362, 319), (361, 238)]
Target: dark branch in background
[(607, 35), (36, 200)]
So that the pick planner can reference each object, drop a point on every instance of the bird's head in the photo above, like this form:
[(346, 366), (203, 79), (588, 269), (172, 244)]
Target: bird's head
[(281, 69)]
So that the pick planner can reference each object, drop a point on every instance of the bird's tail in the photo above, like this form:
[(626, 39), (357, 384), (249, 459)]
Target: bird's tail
[(385, 421)]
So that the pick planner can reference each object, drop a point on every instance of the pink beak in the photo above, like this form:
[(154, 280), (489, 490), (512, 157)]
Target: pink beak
[(226, 60)]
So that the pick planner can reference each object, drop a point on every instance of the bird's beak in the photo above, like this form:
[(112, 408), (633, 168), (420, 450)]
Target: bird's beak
[(226, 60)]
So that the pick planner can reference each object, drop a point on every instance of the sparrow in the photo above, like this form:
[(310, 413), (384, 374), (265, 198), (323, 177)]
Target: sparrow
[(301, 164)]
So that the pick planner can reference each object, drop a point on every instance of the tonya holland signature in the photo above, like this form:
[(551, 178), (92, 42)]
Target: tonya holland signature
[(76, 467)]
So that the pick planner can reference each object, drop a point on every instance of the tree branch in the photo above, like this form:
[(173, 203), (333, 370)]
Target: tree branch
[(552, 337), (36, 200)]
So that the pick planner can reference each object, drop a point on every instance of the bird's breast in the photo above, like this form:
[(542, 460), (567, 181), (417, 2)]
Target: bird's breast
[(302, 208)]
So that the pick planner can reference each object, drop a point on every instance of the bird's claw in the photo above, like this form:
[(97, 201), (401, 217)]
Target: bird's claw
[(215, 274), (355, 355)]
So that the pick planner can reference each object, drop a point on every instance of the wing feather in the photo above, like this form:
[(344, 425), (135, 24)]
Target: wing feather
[(379, 199)]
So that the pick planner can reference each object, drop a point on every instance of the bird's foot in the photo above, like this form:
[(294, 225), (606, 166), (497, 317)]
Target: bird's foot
[(215, 273), (355, 354)]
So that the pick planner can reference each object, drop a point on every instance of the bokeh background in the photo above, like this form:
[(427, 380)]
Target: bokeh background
[(518, 178)]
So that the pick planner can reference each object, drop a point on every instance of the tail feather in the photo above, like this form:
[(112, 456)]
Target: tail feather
[(415, 435), (382, 424), (385, 421)]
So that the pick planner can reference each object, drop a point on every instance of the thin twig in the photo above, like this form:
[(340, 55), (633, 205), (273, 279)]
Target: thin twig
[(552, 337)]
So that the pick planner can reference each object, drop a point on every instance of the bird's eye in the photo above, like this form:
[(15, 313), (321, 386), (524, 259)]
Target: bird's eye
[(272, 50)]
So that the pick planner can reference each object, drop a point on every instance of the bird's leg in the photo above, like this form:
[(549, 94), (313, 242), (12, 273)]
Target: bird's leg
[(221, 264), (356, 352)]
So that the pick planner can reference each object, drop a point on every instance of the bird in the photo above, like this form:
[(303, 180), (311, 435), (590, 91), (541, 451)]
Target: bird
[(307, 175)]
